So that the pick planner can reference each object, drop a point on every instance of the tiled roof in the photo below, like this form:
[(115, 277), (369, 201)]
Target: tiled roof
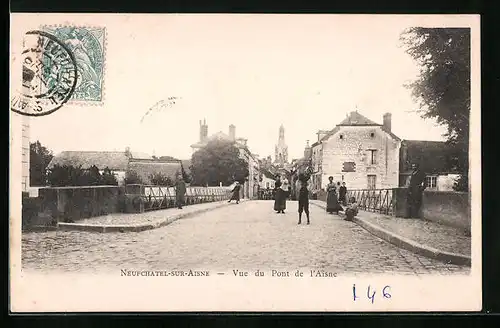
[(268, 174), (145, 168), (114, 160), (355, 119), (329, 134), (140, 155)]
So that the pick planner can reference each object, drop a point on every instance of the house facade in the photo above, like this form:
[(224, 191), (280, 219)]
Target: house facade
[(359, 152), (251, 186), (267, 180), (433, 157)]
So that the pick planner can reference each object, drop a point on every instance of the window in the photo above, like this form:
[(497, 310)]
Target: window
[(372, 156), (372, 181), (341, 136), (267, 185), (372, 134), (431, 182)]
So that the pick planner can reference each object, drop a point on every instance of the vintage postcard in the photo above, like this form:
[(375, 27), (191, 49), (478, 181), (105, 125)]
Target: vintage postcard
[(245, 163)]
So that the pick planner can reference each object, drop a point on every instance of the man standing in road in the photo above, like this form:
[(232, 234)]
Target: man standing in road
[(180, 191), (415, 189), (303, 201), (342, 194)]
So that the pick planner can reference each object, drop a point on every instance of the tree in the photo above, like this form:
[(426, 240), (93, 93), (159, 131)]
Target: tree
[(66, 175), (443, 86), (185, 176), (159, 179), (108, 178), (40, 158), (132, 177), (91, 177), (219, 161)]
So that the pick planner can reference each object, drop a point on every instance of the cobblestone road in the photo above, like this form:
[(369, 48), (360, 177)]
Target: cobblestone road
[(247, 236)]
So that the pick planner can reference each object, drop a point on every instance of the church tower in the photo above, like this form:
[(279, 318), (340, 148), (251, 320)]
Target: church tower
[(281, 149)]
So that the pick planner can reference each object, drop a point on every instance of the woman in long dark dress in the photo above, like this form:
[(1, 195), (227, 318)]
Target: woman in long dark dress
[(332, 202), (342, 194), (236, 193), (278, 196)]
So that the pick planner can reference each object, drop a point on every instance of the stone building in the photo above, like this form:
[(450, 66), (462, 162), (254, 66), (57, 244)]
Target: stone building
[(434, 159), (359, 152), (267, 180), (251, 186)]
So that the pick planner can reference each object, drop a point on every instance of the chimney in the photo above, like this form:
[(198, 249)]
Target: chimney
[(127, 152), (387, 122), (321, 134), (203, 131), (232, 132)]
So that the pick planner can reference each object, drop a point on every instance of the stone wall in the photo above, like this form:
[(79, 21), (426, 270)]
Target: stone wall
[(68, 204), (447, 207), (354, 147)]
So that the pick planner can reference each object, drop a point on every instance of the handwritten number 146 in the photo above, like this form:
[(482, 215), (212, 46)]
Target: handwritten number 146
[(370, 293)]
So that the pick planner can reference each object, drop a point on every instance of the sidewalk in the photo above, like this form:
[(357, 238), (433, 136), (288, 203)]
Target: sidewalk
[(136, 222), (423, 237)]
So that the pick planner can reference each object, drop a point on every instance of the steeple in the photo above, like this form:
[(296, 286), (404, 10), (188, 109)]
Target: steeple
[(281, 149)]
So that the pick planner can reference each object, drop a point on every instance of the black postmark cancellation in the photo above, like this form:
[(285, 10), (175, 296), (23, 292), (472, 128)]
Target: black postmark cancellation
[(49, 75)]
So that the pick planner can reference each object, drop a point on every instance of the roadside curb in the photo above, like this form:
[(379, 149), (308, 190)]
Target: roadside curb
[(410, 245), (134, 228)]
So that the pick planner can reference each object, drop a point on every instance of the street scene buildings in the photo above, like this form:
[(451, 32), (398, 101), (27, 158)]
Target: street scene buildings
[(317, 172)]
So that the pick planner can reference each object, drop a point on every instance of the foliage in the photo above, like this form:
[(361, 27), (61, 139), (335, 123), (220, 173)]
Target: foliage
[(40, 157), (219, 161), (91, 177), (159, 179), (68, 175), (132, 177), (65, 175), (443, 86), (185, 176), (108, 178), (461, 184)]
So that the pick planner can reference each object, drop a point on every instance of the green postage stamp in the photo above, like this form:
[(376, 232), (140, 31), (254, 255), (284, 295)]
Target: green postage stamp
[(88, 45)]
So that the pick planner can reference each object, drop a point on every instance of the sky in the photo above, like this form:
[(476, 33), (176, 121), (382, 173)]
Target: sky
[(256, 72)]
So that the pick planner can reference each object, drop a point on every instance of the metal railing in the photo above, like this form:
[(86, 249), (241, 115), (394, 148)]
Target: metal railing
[(374, 200), (156, 197)]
